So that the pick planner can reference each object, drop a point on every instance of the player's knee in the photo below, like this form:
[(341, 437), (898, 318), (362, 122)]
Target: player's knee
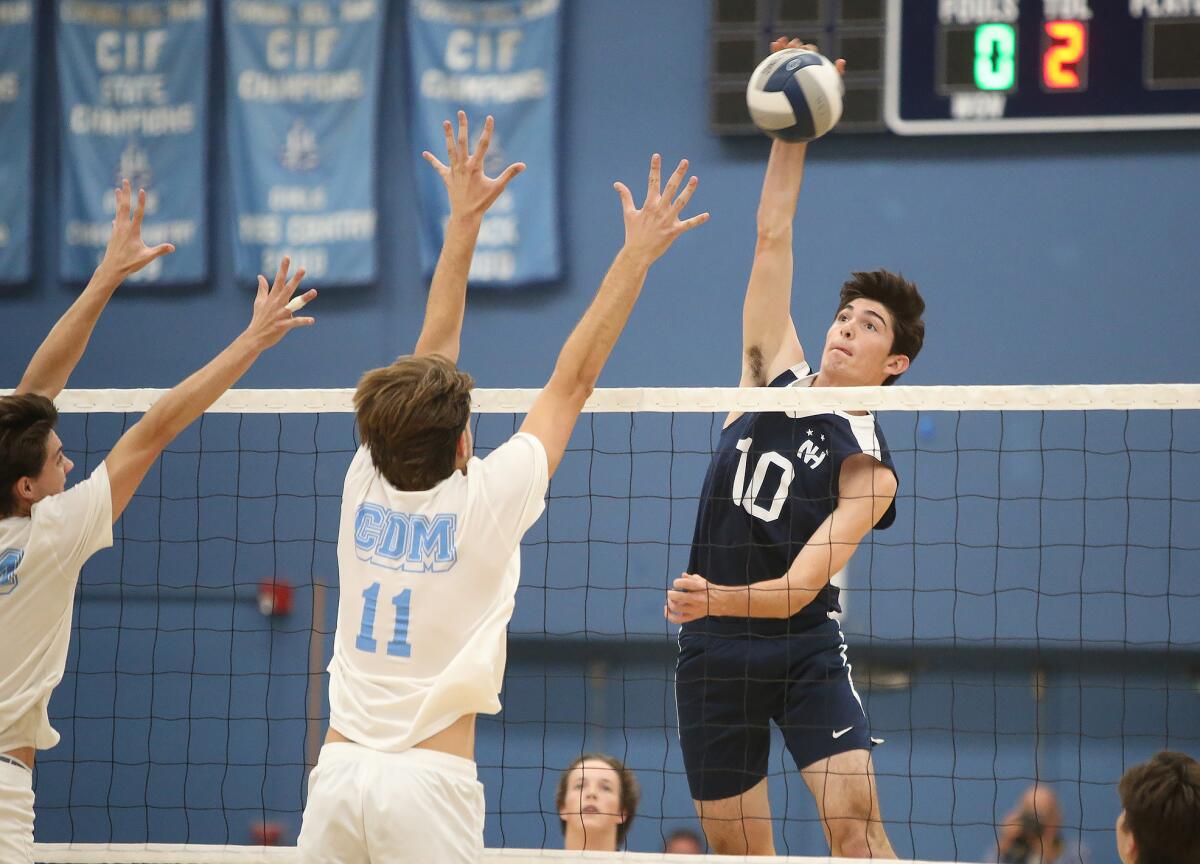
[(856, 836), (739, 837)]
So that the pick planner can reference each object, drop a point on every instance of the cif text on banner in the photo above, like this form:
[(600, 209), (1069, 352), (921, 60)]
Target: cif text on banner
[(302, 94), (498, 57), (133, 79)]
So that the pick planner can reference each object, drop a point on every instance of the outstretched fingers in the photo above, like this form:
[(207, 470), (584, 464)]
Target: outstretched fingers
[(485, 139), (451, 150), (463, 151), (626, 197), (675, 179), (435, 162), (653, 182), (140, 211), (123, 196), (281, 276), (695, 222), (509, 173)]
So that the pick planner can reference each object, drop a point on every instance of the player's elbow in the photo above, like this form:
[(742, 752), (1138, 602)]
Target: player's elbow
[(772, 236), (571, 386)]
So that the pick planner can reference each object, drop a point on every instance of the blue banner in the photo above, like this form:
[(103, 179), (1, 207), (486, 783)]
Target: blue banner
[(497, 57), (302, 93), (16, 131), (133, 78)]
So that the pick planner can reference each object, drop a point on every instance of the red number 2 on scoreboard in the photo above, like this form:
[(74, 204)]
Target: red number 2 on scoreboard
[(1060, 62)]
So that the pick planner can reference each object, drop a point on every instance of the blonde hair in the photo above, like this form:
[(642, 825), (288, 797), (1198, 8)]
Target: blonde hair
[(410, 415)]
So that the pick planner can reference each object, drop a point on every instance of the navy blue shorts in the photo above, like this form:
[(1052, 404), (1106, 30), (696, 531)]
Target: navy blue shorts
[(728, 689)]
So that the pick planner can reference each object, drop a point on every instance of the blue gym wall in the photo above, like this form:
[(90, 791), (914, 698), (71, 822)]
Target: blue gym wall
[(1044, 259)]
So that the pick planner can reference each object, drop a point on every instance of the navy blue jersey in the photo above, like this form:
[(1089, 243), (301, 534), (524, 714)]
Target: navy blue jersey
[(772, 481)]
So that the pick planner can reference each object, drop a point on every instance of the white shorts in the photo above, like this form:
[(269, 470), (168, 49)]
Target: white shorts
[(16, 814), (369, 807)]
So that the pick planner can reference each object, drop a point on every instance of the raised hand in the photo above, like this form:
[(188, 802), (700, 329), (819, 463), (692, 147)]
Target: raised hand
[(650, 231), (126, 253), (471, 191), (784, 42), (272, 319)]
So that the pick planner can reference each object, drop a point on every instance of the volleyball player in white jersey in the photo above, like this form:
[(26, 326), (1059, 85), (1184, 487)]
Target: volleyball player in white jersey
[(47, 532), (429, 548)]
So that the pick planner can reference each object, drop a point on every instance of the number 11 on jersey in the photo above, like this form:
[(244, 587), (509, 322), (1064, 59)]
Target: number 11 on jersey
[(398, 646)]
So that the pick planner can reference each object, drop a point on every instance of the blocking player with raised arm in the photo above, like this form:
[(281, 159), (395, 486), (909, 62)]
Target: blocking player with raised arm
[(429, 549), (47, 531), (786, 500)]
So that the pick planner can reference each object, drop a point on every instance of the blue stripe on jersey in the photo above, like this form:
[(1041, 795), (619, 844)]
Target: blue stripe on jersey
[(772, 481)]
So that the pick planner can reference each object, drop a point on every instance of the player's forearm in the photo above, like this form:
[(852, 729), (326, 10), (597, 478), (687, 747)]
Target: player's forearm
[(766, 313), (590, 343), (59, 353), (441, 332), (176, 410), (826, 552), (781, 190)]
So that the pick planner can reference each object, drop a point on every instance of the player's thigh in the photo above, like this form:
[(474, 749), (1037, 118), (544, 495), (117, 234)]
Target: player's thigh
[(740, 824), (16, 814), (332, 831), (724, 701), (425, 807), (822, 714)]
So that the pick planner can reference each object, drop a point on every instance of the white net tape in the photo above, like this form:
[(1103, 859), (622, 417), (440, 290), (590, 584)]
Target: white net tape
[(1054, 397), (163, 853)]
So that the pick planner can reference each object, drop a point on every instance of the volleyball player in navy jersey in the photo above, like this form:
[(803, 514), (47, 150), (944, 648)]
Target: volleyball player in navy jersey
[(786, 501)]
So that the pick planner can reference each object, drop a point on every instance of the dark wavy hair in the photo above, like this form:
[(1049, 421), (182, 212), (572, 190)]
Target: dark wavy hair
[(901, 298), (26, 422)]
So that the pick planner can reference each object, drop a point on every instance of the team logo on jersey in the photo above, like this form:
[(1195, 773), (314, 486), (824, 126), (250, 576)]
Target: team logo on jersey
[(810, 453), (405, 541), (10, 560)]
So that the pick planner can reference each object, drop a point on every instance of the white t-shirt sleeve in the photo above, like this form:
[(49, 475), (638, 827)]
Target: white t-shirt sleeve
[(516, 477), (79, 520)]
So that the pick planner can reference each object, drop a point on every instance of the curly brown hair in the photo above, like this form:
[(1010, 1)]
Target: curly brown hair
[(631, 792), (411, 414)]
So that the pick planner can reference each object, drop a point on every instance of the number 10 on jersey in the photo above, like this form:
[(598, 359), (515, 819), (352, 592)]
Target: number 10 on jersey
[(398, 645)]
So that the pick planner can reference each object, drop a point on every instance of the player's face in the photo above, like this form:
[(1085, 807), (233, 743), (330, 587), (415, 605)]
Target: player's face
[(53, 477), (593, 797), (858, 346)]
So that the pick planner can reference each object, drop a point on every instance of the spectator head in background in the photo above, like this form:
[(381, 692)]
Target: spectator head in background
[(1032, 832), (683, 842), (1160, 811), (597, 799)]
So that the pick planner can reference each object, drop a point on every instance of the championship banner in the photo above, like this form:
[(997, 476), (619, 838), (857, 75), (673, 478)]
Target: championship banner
[(133, 78), (302, 91), (497, 57), (16, 131)]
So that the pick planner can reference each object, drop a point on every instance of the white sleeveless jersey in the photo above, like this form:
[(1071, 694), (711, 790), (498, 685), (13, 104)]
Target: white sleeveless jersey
[(428, 582), (40, 558)]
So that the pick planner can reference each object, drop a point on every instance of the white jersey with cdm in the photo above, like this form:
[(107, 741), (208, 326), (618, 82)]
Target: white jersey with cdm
[(428, 582), (40, 558)]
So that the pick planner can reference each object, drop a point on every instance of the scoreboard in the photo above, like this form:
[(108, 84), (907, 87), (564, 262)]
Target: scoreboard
[(979, 66)]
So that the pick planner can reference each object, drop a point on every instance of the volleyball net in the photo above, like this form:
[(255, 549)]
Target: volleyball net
[(1033, 615)]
